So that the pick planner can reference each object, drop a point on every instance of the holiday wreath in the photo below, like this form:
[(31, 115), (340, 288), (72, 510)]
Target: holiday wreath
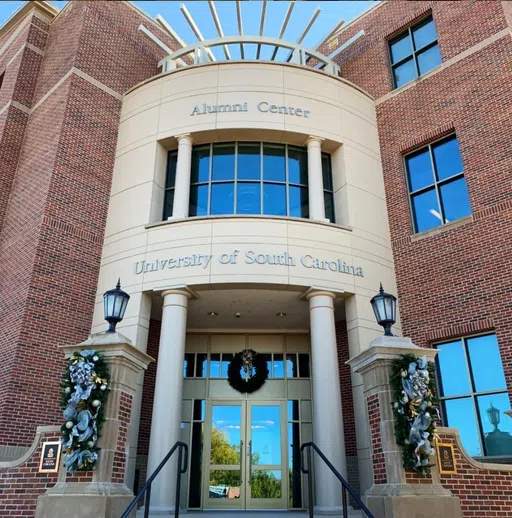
[(415, 409), (85, 388), (247, 371)]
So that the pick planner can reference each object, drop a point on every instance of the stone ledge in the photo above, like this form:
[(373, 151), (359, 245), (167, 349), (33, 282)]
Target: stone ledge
[(487, 466), (40, 431)]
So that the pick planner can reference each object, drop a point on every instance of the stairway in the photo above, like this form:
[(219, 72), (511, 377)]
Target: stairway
[(260, 514)]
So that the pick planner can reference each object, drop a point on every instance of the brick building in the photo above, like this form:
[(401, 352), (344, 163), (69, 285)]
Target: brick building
[(258, 204)]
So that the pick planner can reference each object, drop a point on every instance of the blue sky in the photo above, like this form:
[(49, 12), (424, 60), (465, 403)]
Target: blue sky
[(332, 12)]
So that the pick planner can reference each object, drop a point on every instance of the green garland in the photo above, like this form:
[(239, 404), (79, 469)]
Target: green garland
[(415, 407), (85, 385)]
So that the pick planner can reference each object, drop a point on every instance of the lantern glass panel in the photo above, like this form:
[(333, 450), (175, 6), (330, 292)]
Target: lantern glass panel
[(388, 307), (380, 312), (123, 307), (109, 304)]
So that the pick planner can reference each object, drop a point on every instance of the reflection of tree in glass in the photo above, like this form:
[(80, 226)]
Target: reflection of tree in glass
[(222, 451), (265, 485)]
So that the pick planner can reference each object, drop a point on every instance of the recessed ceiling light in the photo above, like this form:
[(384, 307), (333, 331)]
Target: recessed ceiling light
[(280, 314), (212, 314)]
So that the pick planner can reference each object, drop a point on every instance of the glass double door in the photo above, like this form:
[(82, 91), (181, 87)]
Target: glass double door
[(245, 449)]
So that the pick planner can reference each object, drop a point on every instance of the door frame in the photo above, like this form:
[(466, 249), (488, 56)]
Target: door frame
[(222, 503), (267, 503), (245, 501)]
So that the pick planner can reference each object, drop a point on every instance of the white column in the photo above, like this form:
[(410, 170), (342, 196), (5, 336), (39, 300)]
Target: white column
[(182, 184), (315, 179), (166, 420), (328, 432)]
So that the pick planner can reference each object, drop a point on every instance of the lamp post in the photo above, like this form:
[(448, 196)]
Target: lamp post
[(384, 307), (114, 306), (494, 416)]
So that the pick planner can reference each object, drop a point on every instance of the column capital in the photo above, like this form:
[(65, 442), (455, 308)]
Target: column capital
[(180, 290), (314, 140), (314, 291), (184, 138)]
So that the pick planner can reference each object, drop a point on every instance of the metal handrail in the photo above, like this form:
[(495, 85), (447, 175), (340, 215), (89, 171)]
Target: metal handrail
[(146, 489), (344, 483)]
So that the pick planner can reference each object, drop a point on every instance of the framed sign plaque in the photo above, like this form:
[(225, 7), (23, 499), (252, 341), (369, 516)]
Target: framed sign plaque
[(50, 457), (446, 459)]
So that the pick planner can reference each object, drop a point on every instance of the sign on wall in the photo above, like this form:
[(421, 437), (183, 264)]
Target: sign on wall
[(446, 459), (50, 457), (263, 107), (250, 257)]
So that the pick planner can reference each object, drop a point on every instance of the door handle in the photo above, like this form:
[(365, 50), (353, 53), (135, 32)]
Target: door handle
[(250, 462), (241, 461)]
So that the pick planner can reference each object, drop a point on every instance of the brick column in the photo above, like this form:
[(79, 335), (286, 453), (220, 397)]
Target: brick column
[(395, 493), (106, 495)]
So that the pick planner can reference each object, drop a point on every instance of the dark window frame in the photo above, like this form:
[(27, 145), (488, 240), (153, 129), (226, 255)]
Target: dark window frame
[(408, 32), (436, 185), (328, 193), (473, 394)]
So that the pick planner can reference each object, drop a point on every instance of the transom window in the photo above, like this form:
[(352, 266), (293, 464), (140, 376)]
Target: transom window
[(414, 52), (474, 396), (436, 183), (215, 365), (249, 178)]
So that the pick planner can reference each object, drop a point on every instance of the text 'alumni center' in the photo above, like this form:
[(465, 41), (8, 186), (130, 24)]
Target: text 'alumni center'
[(250, 277)]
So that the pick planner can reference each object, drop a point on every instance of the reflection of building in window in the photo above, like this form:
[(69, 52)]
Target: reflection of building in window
[(497, 442), (473, 394)]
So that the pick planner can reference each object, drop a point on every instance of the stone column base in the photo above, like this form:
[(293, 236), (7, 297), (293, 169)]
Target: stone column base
[(412, 500), (84, 500), (335, 511)]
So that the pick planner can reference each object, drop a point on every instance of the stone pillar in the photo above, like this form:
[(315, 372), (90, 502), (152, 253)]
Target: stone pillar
[(166, 420), (395, 493), (328, 432), (315, 179), (182, 183), (106, 495)]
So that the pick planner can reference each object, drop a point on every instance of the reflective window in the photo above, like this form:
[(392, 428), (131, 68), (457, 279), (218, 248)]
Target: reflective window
[(436, 184), (170, 180), (249, 178), (474, 396), (414, 52)]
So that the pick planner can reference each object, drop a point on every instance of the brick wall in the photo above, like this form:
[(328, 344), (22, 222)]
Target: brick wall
[(347, 403), (454, 280), (485, 490), (21, 485), (374, 419), (19, 63), (50, 245)]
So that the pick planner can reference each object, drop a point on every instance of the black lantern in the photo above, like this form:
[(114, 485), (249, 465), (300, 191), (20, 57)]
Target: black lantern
[(384, 307), (114, 306), (494, 416)]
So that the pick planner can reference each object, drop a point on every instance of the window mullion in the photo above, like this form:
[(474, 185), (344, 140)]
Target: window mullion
[(209, 196), (473, 399), (286, 180), (235, 183), (261, 178), (434, 172)]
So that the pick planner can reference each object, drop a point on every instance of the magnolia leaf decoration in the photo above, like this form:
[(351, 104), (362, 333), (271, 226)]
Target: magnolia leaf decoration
[(85, 385), (416, 411)]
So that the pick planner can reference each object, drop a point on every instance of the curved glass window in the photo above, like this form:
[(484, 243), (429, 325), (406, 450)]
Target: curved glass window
[(249, 178)]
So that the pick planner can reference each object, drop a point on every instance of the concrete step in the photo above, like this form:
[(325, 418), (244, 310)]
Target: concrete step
[(262, 514), (249, 514)]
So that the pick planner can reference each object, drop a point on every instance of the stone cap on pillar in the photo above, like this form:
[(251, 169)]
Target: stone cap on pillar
[(386, 349), (112, 345)]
